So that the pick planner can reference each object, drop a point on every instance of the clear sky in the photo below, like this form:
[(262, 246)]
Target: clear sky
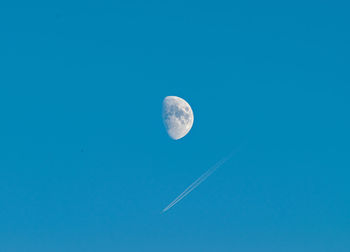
[(86, 164)]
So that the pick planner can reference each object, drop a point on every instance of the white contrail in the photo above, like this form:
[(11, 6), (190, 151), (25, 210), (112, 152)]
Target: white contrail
[(189, 189), (198, 181)]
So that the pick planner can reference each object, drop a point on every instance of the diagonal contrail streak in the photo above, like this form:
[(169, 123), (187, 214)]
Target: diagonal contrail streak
[(194, 184), (188, 190), (198, 181)]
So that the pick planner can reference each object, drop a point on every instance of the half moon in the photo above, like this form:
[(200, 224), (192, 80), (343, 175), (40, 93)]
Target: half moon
[(177, 117)]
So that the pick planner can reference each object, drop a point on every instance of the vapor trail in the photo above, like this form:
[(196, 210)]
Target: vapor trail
[(198, 181)]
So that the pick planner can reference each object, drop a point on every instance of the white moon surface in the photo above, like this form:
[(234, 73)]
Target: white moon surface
[(177, 117)]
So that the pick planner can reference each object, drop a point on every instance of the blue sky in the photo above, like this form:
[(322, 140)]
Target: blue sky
[(85, 162)]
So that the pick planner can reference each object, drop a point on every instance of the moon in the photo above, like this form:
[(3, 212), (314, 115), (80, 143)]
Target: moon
[(177, 117)]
